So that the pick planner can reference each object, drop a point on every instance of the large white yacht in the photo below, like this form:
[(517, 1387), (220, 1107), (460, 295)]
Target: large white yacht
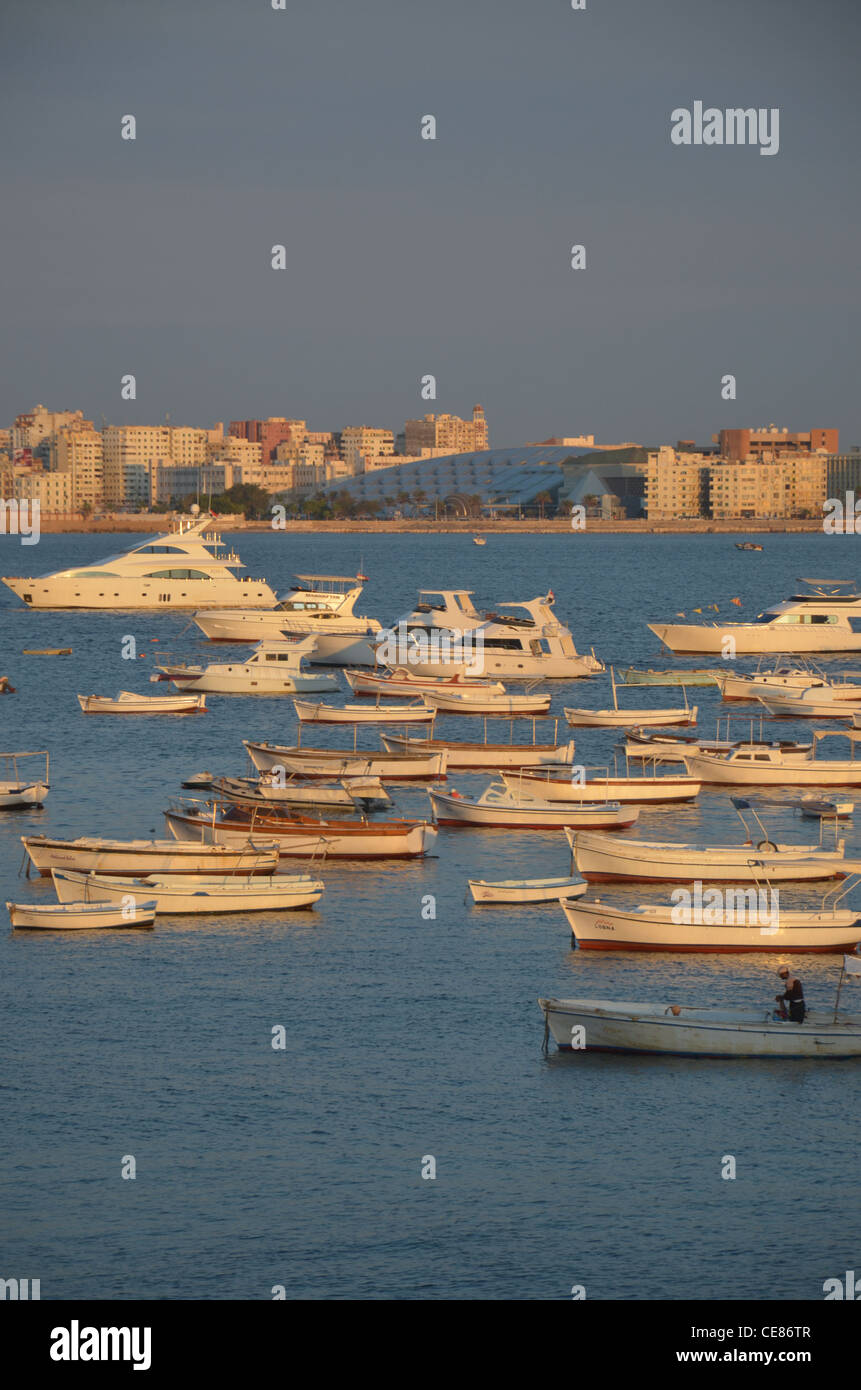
[(827, 618), (318, 604), (445, 633), (182, 569)]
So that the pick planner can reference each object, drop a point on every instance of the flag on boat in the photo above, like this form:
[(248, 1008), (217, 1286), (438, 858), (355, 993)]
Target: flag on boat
[(852, 965)]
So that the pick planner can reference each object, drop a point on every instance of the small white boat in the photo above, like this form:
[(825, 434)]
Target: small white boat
[(479, 540), (402, 681), (659, 747), (737, 924), (499, 808), (627, 718), (785, 675), (756, 766), (273, 668), (609, 857), (310, 712), (426, 766), (484, 702), (526, 890), (17, 790), (127, 702), (352, 793), (609, 1025), (81, 916), (140, 857), (550, 786), (186, 893), (818, 807), (465, 755), (810, 703)]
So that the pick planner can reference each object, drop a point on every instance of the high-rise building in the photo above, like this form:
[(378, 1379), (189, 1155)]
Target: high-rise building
[(79, 453), (794, 487), (359, 440)]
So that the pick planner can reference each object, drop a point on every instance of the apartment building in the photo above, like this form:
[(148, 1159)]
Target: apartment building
[(79, 456), (361, 441), (448, 433), (676, 485), (771, 444), (794, 487)]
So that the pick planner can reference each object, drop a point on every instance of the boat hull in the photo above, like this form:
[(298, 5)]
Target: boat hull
[(329, 763), (137, 858), (82, 916), (600, 927), (13, 796), (755, 639), (628, 719), (538, 890), (808, 773), (301, 838), (462, 811), (602, 858), (468, 756), (608, 1026), (186, 895), (639, 790), (109, 593)]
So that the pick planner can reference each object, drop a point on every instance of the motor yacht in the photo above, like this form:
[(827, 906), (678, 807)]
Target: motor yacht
[(273, 668), (445, 633), (827, 618), (186, 568), (321, 604)]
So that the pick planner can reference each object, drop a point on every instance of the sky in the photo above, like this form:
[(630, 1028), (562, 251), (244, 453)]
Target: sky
[(406, 257)]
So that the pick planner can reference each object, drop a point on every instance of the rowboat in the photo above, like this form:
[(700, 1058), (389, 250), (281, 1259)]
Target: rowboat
[(140, 857), (17, 791), (581, 718), (414, 713), (464, 755), (402, 681), (526, 890), (419, 766), (303, 835), (81, 916), (634, 677), (129, 703), (641, 790), (607, 857), (483, 702), (607, 1025), (499, 808), (184, 893), (352, 793), (739, 923), (772, 767)]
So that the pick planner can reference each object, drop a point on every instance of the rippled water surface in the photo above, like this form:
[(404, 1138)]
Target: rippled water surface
[(406, 1037)]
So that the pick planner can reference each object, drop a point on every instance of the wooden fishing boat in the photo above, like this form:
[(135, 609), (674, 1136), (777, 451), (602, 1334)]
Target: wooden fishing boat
[(303, 835), (632, 676), (414, 713), (419, 766), (614, 718), (608, 1025), (740, 924), (186, 893), (772, 767), (550, 786), (402, 681), (672, 747), (499, 808), (484, 702), (607, 857), (17, 790), (464, 755), (526, 890), (81, 916), (129, 703), (351, 794), (140, 857)]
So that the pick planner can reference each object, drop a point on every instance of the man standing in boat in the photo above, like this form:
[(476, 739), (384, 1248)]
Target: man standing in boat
[(793, 995)]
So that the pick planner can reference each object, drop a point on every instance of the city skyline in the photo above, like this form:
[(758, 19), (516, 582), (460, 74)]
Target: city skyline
[(451, 256)]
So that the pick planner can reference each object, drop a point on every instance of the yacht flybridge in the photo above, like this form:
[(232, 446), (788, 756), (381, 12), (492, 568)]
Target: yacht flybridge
[(446, 634), (321, 604), (827, 618), (183, 569)]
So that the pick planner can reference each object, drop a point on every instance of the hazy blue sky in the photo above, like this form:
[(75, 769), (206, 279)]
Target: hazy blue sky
[(451, 257)]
